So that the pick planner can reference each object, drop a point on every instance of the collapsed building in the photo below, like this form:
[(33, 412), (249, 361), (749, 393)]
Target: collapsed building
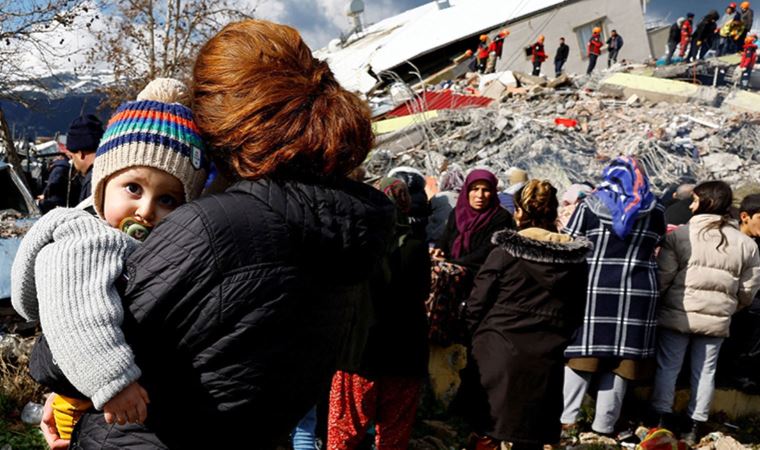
[(425, 41), (685, 121)]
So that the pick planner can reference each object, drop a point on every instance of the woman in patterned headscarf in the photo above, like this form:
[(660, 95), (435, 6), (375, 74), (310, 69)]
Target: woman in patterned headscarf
[(616, 341)]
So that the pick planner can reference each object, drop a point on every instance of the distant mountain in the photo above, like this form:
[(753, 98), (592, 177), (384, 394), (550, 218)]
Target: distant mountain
[(48, 115)]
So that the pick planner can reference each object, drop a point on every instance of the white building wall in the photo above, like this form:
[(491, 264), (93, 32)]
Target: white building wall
[(625, 16)]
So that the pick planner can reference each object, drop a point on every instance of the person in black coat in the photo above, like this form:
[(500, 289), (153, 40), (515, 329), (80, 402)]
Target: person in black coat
[(704, 35), (420, 211), (82, 140), (674, 37), (62, 188), (528, 299), (614, 44), (563, 51), (241, 305), (386, 388), (466, 242)]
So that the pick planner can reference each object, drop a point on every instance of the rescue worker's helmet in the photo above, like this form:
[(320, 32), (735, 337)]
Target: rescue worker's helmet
[(504, 33), (468, 53), (541, 39), (745, 5), (732, 5), (483, 37)]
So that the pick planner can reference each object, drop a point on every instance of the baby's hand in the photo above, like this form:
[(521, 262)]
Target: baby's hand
[(128, 406)]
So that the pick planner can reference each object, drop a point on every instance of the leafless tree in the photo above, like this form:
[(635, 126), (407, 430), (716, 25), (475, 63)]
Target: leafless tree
[(146, 39), (29, 26)]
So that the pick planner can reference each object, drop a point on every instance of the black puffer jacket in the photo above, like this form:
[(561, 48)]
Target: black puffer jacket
[(239, 307)]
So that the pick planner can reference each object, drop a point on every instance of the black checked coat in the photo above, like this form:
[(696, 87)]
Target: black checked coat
[(622, 290)]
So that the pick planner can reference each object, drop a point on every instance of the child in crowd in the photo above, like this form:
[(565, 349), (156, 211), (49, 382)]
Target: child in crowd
[(708, 270), (149, 162)]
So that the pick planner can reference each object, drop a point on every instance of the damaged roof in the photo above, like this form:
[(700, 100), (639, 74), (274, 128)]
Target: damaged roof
[(416, 32)]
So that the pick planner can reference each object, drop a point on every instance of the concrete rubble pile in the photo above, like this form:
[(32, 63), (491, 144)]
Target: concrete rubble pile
[(568, 134), (9, 227)]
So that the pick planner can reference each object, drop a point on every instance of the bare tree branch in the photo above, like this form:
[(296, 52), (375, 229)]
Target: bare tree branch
[(157, 38)]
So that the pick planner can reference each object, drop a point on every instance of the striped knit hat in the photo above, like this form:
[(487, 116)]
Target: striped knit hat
[(155, 131)]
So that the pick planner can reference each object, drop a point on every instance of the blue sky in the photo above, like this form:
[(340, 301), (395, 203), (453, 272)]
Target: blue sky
[(672, 9)]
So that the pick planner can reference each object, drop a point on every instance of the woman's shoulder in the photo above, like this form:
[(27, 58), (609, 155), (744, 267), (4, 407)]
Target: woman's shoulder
[(502, 217)]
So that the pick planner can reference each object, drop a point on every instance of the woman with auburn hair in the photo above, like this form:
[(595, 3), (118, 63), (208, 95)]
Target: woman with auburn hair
[(527, 302), (241, 305)]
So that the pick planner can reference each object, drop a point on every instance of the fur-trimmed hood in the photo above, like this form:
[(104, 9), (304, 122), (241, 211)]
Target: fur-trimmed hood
[(543, 246)]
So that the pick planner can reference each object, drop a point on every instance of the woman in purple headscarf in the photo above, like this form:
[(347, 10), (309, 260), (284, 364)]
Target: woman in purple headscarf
[(478, 215), (464, 245)]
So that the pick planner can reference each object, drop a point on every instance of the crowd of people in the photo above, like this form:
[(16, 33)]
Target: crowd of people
[(723, 35), (488, 53), (182, 313), (727, 35)]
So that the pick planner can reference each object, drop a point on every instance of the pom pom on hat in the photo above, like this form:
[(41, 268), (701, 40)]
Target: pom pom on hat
[(166, 90)]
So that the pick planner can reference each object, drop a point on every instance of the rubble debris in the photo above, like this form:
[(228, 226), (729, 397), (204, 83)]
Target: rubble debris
[(591, 438), (718, 441), (9, 228), (530, 80), (13, 346), (672, 139)]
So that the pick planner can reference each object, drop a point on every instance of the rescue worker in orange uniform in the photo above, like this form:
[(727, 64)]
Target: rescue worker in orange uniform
[(594, 48), (749, 59), (482, 53), (539, 55), (686, 31), (495, 50)]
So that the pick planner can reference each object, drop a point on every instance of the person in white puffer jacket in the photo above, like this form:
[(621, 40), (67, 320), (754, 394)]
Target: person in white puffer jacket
[(708, 270)]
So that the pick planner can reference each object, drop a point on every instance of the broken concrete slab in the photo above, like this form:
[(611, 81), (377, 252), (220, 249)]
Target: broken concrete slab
[(529, 80), (508, 79), (742, 101), (659, 90), (397, 123), (562, 80), (494, 90)]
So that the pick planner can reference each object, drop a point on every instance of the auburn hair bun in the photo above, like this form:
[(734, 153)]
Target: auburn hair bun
[(266, 106)]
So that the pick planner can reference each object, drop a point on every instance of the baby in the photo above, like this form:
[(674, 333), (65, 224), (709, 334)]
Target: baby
[(149, 162)]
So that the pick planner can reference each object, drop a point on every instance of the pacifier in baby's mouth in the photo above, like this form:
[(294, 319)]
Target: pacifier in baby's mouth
[(134, 228)]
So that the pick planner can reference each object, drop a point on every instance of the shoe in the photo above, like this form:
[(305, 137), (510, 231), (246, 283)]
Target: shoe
[(693, 434)]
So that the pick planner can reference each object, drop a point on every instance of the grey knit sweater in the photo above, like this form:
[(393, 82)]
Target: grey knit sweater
[(64, 276)]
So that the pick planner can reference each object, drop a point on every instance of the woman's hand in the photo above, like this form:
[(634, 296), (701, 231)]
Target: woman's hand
[(128, 406), (437, 254), (49, 430)]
